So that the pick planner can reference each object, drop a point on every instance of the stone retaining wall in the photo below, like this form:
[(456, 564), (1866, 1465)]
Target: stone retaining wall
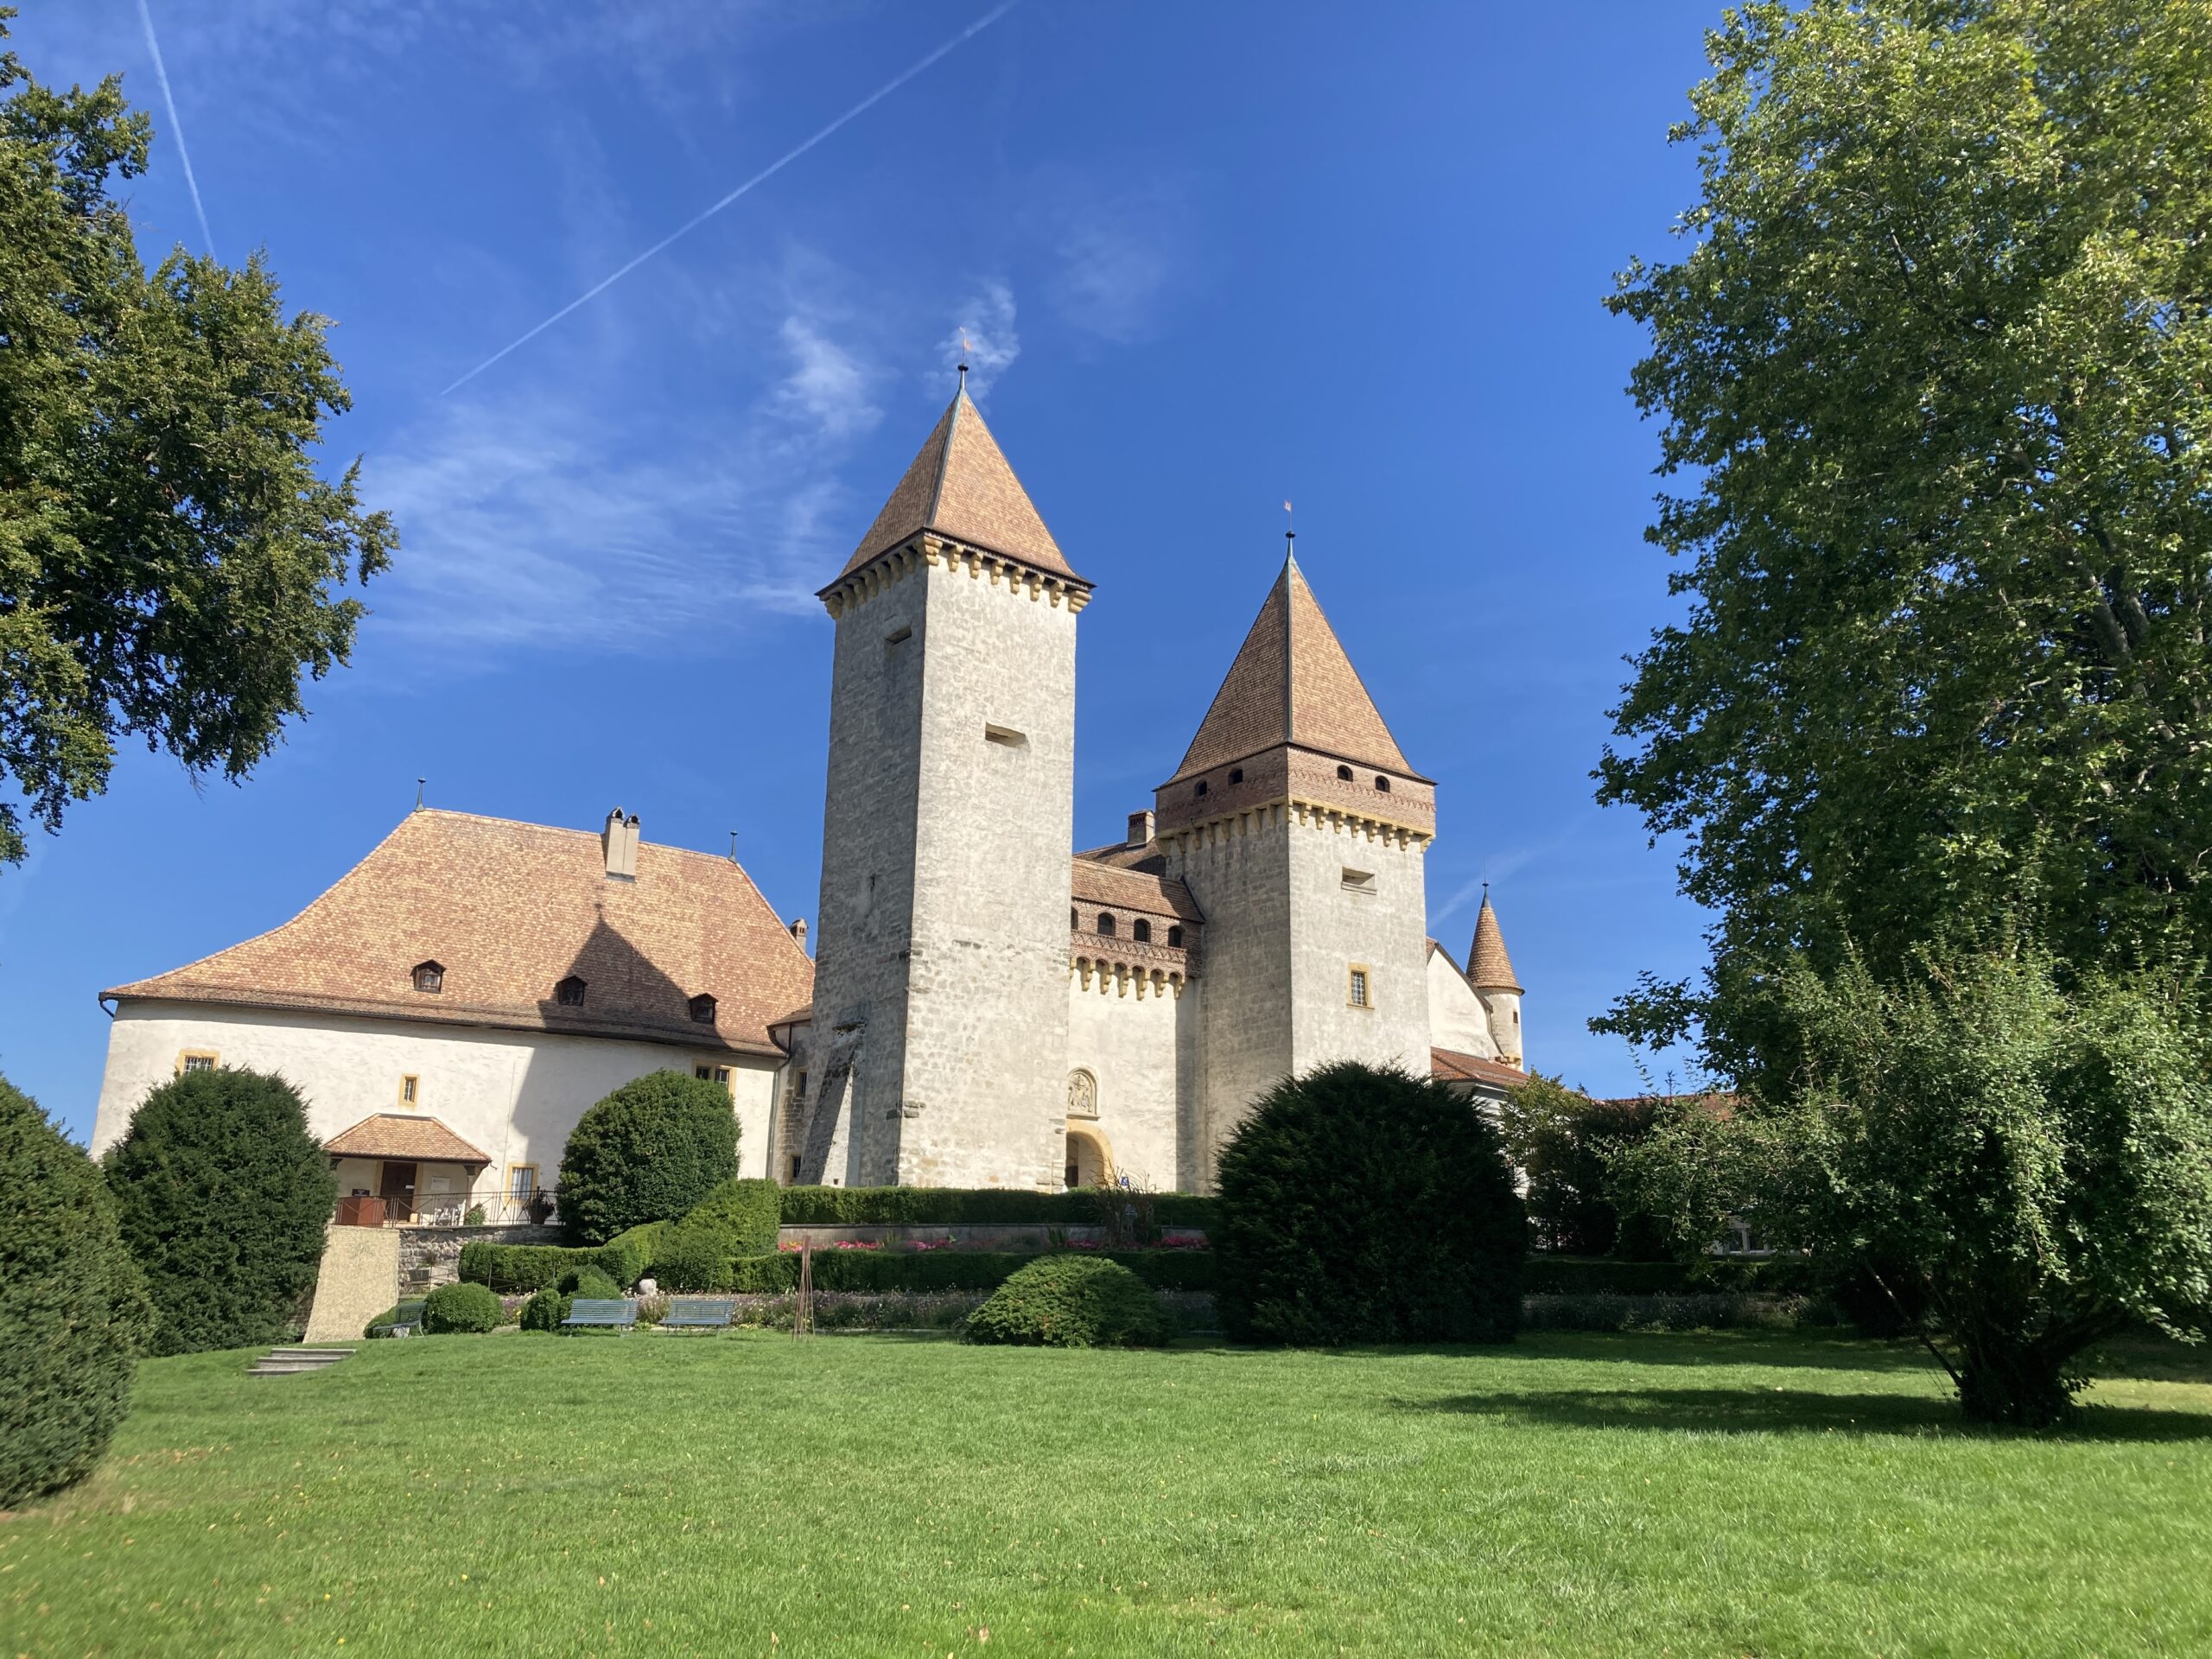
[(430, 1257)]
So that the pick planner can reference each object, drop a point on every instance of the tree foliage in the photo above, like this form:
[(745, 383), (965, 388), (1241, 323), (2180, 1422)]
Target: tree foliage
[(224, 1198), (1935, 370), (73, 1314), (1564, 1142), (1359, 1203), (1069, 1301), (651, 1151), (169, 558), (2030, 1165)]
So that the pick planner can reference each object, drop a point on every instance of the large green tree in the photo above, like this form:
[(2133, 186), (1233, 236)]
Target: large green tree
[(1935, 370), (171, 561)]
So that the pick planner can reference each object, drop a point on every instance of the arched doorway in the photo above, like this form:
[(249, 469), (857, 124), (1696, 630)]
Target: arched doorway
[(1090, 1160)]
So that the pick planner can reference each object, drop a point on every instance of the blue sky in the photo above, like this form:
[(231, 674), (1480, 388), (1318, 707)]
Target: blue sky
[(1211, 257)]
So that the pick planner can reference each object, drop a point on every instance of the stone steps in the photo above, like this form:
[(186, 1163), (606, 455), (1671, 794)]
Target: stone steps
[(293, 1362)]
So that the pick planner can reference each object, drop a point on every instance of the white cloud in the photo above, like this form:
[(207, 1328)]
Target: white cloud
[(1121, 256), (828, 388), (983, 338)]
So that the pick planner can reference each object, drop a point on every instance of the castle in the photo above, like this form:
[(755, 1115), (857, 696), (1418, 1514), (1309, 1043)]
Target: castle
[(983, 1009)]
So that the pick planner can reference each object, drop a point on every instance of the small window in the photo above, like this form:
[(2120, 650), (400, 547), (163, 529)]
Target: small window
[(1344, 773), (429, 978), (411, 1090), (794, 1167), (570, 992), (1357, 994), (1105, 924), (1175, 936), (1237, 774), (702, 1010), (1005, 736), (1142, 931), (898, 636), (1201, 788), (522, 1182), (196, 1059), (1361, 882), (1381, 783), (712, 1074), (1074, 919)]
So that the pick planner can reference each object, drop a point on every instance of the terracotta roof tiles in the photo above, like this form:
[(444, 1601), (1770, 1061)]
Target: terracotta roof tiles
[(394, 1134), (1489, 969)]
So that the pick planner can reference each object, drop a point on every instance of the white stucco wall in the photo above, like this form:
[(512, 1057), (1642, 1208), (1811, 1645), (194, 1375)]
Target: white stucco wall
[(1456, 1019), (513, 1095), (1383, 928), (1134, 1046)]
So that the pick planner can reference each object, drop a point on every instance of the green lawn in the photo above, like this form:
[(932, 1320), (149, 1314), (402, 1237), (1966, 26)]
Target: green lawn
[(1709, 1494)]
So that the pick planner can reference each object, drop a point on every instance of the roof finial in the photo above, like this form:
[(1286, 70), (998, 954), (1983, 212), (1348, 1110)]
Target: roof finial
[(965, 349), (419, 782)]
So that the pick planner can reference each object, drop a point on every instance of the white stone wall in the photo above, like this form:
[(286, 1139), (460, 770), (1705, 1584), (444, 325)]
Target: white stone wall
[(1504, 1012), (1456, 1019), (942, 959), (1382, 926), (513, 1095), (1134, 1046)]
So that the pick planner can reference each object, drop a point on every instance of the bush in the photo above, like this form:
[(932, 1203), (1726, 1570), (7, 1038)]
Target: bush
[(590, 1283), (694, 1258), (932, 1206), (1364, 1204), (927, 1272), (460, 1308), (651, 1151), (1071, 1301), (224, 1197), (545, 1311), (514, 1268), (1564, 1142), (749, 1211), (643, 1242), (74, 1312)]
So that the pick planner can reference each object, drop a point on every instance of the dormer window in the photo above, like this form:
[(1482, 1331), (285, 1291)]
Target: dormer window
[(1201, 788), (1142, 931), (429, 978), (1381, 783), (570, 992), (702, 1009), (1344, 773), (1175, 937), (1105, 924)]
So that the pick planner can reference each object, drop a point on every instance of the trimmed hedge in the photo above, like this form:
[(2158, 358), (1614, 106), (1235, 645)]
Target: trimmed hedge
[(74, 1309), (545, 1311), (650, 1151), (694, 1258), (513, 1269), (930, 1206), (922, 1271), (643, 1241), (461, 1309), (587, 1283), (748, 1210), (1546, 1275), (1071, 1301)]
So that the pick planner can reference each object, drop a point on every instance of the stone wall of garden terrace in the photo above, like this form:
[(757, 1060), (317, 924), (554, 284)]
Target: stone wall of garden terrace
[(430, 1257)]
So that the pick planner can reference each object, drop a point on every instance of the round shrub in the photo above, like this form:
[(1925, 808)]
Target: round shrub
[(460, 1308), (1360, 1203), (749, 1211), (74, 1312), (1071, 1301), (696, 1256), (545, 1311), (590, 1283), (649, 1152), (224, 1198)]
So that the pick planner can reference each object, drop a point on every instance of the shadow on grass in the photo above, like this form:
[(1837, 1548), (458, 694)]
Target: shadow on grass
[(1776, 1350), (1780, 1411)]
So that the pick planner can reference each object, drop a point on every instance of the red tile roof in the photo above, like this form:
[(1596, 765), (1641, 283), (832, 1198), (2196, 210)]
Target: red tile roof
[(1096, 883), (509, 910), (1489, 969), (394, 1134), (1292, 683), (962, 487), (1472, 1068)]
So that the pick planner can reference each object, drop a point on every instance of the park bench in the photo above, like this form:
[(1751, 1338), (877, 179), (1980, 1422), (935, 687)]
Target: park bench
[(699, 1313), (407, 1319), (602, 1313)]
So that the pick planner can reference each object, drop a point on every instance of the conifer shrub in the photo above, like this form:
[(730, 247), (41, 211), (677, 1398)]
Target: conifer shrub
[(460, 1308), (223, 1198), (695, 1256), (74, 1312), (1071, 1301), (545, 1311), (590, 1283), (641, 1243), (651, 1151), (1361, 1204), (748, 1210)]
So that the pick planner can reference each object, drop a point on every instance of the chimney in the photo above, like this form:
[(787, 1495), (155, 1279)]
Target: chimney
[(1141, 828), (619, 839), (798, 930)]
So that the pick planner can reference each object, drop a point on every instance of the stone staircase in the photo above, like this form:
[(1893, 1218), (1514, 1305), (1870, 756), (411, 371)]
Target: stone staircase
[(292, 1362)]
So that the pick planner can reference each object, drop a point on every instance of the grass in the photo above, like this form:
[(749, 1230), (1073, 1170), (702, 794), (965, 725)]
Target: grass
[(1733, 1493)]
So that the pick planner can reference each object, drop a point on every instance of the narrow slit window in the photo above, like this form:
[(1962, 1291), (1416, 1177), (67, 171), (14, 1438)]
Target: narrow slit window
[(898, 636), (411, 1090), (1361, 882), (1005, 737)]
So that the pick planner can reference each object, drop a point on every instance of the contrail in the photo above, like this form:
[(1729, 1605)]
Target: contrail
[(763, 174), (176, 127)]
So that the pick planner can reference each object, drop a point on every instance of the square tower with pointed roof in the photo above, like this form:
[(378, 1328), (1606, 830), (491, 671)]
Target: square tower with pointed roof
[(939, 1026)]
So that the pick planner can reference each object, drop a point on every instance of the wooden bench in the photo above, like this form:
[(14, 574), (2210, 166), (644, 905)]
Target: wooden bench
[(699, 1313), (602, 1313)]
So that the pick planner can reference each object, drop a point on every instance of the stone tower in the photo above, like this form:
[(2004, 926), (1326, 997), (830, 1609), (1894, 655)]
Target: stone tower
[(1300, 830), (939, 1039), (1490, 970)]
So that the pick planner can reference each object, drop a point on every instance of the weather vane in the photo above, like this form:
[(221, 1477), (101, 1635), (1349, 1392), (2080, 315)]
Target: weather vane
[(1289, 529), (965, 349)]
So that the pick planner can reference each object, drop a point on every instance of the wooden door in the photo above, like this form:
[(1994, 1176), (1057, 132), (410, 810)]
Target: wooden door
[(396, 1189)]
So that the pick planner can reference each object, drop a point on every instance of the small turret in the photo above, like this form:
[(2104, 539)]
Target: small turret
[(1490, 970)]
